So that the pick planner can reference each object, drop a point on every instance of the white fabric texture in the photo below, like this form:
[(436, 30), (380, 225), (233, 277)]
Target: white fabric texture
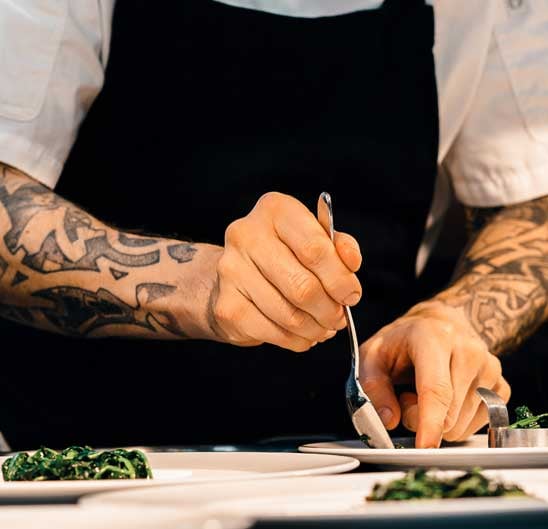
[(52, 60), (491, 67), (305, 8)]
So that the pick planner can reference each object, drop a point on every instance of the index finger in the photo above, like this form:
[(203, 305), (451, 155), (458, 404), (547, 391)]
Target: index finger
[(314, 249), (434, 391), (348, 250)]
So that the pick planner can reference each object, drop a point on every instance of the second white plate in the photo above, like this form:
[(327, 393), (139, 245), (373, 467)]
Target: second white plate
[(471, 453), (341, 497), (185, 467)]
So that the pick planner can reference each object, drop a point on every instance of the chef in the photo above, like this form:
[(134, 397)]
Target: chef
[(159, 178)]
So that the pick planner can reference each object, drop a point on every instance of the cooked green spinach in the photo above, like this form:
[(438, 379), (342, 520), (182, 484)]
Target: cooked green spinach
[(421, 484), (365, 440), (526, 419), (76, 463)]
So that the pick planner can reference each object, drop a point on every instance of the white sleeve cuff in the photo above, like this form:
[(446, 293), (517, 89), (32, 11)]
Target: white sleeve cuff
[(492, 189), (33, 160), (52, 61), (500, 156)]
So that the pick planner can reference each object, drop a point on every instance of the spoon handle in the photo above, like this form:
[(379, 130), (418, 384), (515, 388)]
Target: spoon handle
[(325, 217)]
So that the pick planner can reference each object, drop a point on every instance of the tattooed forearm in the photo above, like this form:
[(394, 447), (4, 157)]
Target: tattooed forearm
[(501, 281), (63, 270), (80, 312)]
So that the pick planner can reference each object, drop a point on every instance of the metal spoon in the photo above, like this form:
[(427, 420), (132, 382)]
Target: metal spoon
[(364, 417)]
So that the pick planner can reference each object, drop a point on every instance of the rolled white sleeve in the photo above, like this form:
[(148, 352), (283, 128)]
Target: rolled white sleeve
[(52, 64), (500, 155)]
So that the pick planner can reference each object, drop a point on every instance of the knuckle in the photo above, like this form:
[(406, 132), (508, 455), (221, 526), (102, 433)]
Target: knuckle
[(478, 349), (439, 391), (452, 436), (445, 328), (226, 312), (343, 286), (421, 328), (314, 251), (304, 289), (371, 385), (298, 346), (490, 372), (296, 319), (505, 391), (452, 418), (495, 366), (340, 322), (373, 344), (226, 267), (327, 335), (302, 348), (270, 200), (222, 313), (234, 231)]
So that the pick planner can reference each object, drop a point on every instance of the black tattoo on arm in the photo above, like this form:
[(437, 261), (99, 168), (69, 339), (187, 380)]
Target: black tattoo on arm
[(48, 236), (28, 201), (100, 248), (117, 274), (17, 314), (501, 280), (182, 253), (22, 206), (155, 291), (133, 242), (79, 312), (18, 278)]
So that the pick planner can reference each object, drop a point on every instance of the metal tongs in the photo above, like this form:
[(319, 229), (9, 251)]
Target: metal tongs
[(499, 433), (364, 417)]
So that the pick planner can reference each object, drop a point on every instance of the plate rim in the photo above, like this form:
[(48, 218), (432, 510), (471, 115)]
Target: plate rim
[(77, 488), (316, 448), (230, 505)]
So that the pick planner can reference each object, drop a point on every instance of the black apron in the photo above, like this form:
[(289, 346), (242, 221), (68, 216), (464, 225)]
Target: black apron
[(205, 108)]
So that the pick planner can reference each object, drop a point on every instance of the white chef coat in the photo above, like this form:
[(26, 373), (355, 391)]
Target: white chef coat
[(491, 67)]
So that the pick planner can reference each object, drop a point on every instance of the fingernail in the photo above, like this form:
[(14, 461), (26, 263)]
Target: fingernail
[(352, 299), (434, 444), (386, 415)]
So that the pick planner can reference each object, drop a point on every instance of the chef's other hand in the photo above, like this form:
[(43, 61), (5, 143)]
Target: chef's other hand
[(280, 278), (436, 348)]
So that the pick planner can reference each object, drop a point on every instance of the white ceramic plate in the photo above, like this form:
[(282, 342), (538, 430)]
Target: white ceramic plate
[(186, 467), (473, 452), (71, 517), (321, 497)]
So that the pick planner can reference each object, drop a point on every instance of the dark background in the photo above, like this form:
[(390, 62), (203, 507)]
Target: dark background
[(40, 384), (47, 382)]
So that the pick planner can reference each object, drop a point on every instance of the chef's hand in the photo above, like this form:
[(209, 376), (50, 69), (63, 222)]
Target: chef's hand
[(434, 347), (280, 278)]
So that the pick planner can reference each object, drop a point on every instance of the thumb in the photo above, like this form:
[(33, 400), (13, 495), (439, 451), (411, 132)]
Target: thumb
[(377, 384)]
